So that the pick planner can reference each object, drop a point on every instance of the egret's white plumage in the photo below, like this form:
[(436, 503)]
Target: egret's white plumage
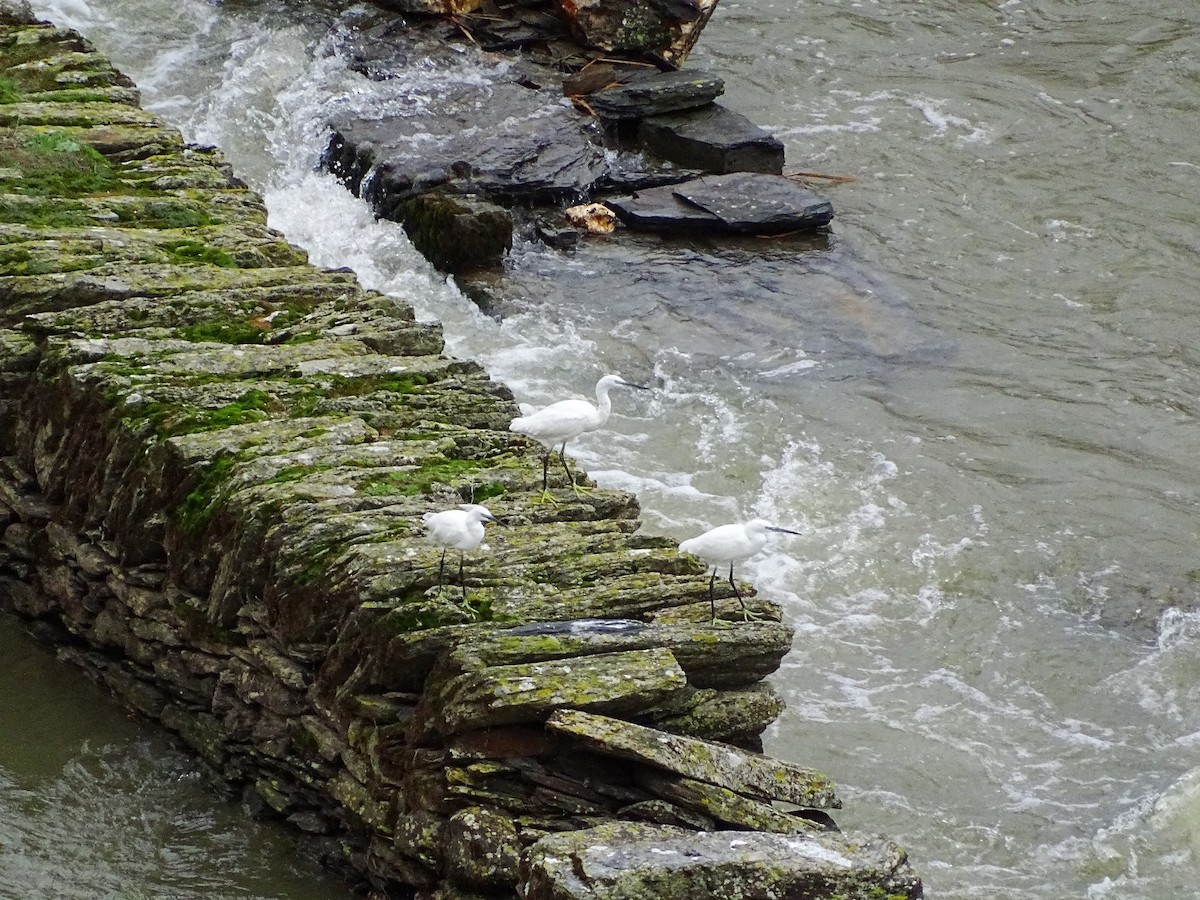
[(458, 529), (565, 420), (729, 544)]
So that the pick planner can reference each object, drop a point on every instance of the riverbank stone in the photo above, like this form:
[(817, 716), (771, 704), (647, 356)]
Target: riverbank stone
[(742, 203), (646, 95), (666, 32), (713, 138)]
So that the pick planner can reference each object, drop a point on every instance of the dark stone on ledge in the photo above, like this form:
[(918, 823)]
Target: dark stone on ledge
[(655, 95), (457, 233), (743, 203), (553, 236), (510, 145), (713, 138)]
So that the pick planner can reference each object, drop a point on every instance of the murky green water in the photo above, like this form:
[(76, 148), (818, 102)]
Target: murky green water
[(96, 805), (979, 404)]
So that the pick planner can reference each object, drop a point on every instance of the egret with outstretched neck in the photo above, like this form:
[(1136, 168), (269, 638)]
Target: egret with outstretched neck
[(458, 529), (730, 544), (565, 420)]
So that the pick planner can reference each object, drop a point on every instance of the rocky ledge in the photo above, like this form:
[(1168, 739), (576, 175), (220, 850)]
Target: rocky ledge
[(215, 458)]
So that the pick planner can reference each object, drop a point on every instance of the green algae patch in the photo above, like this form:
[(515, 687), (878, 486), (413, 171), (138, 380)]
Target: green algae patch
[(200, 505), (170, 420), (52, 163), (198, 253), (438, 470), (298, 472), (228, 332), (131, 212)]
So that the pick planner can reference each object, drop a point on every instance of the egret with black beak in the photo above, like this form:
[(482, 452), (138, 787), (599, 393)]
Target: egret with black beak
[(458, 529), (730, 544), (565, 420)]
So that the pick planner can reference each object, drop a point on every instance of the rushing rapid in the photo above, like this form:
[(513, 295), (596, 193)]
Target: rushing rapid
[(976, 403)]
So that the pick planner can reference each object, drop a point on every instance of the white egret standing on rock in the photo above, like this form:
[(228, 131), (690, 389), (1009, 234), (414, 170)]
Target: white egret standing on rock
[(730, 544), (567, 419), (459, 529)]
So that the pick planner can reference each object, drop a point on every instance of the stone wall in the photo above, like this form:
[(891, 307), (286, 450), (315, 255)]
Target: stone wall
[(215, 458)]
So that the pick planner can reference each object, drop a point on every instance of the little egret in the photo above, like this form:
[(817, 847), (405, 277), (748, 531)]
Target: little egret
[(459, 529), (567, 419), (730, 544)]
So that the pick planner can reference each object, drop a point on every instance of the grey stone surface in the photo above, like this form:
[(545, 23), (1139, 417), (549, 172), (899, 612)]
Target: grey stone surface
[(744, 203), (623, 861), (713, 138), (656, 94)]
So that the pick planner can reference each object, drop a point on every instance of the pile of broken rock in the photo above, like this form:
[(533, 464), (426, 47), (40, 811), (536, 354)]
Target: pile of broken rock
[(592, 109)]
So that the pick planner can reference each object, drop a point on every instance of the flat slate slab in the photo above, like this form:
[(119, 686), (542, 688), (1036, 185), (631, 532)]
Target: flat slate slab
[(713, 138), (656, 94), (719, 764), (620, 861), (744, 202)]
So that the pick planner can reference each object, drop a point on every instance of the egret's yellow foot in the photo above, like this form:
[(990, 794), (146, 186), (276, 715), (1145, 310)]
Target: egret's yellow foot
[(545, 497)]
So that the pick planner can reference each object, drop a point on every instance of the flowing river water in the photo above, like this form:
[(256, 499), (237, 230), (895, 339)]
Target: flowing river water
[(978, 403)]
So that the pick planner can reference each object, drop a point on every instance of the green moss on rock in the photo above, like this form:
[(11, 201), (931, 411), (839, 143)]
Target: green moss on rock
[(200, 505), (51, 163)]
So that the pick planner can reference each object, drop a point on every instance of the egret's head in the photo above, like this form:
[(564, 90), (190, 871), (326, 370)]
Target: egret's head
[(611, 381), (482, 513)]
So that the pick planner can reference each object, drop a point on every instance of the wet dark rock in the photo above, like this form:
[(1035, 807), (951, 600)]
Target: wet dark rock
[(519, 143), (457, 232), (514, 148), (745, 203), (665, 31), (517, 26), (657, 94), (713, 138), (552, 235)]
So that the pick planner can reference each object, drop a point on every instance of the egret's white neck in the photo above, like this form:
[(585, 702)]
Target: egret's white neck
[(603, 404)]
